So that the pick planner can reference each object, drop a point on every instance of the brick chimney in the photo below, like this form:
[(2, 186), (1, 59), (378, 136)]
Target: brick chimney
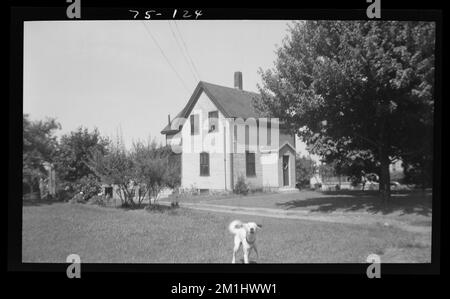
[(238, 80)]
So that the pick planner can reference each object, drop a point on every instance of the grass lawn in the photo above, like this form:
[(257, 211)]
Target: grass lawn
[(106, 235)]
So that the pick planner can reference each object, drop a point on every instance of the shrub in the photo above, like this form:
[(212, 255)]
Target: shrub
[(63, 191), (78, 198), (193, 190), (90, 186), (241, 186)]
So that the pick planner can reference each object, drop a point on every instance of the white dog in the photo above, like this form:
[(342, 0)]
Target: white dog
[(245, 234)]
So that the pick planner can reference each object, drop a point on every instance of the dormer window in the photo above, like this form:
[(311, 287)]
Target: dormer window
[(213, 117)]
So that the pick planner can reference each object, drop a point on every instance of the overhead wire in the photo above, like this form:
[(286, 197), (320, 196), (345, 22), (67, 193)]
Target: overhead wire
[(165, 56)]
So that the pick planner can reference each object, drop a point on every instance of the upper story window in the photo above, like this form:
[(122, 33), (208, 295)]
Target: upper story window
[(269, 135), (247, 135), (204, 164), (213, 118), (251, 136), (195, 124)]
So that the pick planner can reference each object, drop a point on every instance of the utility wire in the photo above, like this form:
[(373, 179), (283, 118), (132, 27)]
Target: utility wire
[(164, 55), (187, 51), (182, 52)]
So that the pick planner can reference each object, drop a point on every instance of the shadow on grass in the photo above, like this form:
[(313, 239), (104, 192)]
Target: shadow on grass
[(405, 202), (159, 208)]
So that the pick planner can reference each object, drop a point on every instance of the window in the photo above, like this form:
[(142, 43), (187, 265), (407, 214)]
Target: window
[(250, 164), (195, 124), (213, 117), (204, 164), (251, 136), (247, 136), (269, 135)]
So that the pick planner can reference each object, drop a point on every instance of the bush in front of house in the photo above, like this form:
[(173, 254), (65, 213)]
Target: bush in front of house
[(187, 192), (241, 186), (81, 190), (65, 191), (148, 165), (78, 198), (90, 186)]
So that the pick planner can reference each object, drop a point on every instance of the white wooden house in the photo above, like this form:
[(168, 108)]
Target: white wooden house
[(221, 136)]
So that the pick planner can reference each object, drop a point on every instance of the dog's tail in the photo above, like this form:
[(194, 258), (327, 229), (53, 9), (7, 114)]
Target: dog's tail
[(234, 226)]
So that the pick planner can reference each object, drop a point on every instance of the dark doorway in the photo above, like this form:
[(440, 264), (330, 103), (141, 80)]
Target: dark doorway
[(285, 170)]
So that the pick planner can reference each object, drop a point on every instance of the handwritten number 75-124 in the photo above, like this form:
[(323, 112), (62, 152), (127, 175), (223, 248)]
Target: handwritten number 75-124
[(185, 14)]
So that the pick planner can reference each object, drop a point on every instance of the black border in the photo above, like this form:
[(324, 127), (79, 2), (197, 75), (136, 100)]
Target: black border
[(92, 11)]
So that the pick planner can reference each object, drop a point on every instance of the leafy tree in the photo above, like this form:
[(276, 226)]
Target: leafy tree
[(154, 169), (305, 169), (39, 146), (353, 168), (419, 170), (116, 167), (74, 151), (174, 167), (146, 166), (356, 90)]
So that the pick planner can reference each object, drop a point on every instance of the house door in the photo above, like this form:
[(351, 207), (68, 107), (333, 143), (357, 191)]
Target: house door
[(285, 170)]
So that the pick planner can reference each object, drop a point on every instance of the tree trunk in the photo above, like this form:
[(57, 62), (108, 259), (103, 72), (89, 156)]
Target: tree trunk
[(119, 192), (129, 196), (383, 146), (385, 178)]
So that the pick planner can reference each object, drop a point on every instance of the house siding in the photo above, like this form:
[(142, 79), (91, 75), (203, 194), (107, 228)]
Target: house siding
[(269, 166), (255, 181), (212, 143)]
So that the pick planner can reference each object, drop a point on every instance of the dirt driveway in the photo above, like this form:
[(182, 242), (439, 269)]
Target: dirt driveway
[(410, 209)]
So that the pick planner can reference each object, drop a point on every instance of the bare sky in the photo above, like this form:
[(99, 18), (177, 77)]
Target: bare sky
[(111, 74)]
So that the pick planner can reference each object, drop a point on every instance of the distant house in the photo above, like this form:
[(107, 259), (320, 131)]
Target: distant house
[(220, 137)]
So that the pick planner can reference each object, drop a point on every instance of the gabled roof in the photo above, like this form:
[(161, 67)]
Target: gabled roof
[(288, 144), (231, 102)]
